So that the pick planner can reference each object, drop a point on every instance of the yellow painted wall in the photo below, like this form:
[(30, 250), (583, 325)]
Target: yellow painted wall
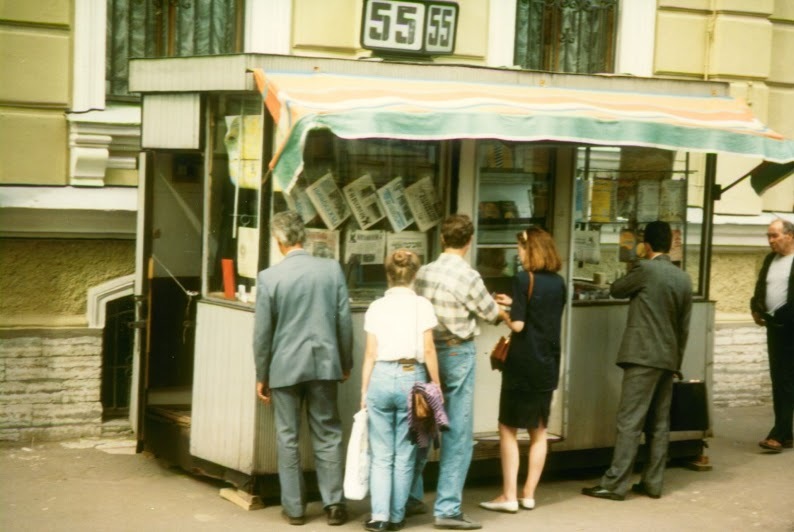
[(742, 47), (41, 279), (35, 62), (680, 43), (33, 147)]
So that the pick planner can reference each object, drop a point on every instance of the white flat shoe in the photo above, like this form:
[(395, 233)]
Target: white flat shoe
[(527, 503), (509, 507)]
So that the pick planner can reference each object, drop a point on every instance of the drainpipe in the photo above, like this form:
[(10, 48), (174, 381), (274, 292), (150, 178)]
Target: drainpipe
[(712, 21)]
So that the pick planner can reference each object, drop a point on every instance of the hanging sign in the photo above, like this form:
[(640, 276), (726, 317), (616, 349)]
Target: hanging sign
[(421, 27)]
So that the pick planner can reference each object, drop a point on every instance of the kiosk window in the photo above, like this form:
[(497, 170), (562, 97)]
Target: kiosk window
[(362, 199), (616, 192), (233, 197)]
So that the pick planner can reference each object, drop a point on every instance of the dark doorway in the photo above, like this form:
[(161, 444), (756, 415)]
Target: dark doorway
[(117, 344)]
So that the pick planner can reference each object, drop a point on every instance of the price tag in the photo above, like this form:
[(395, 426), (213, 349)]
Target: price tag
[(424, 27)]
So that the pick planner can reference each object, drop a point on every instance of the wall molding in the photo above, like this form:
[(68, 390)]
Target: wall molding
[(99, 296)]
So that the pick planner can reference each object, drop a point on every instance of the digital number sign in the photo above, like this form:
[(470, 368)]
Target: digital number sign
[(423, 27)]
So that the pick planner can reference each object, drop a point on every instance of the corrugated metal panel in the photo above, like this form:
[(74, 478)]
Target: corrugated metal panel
[(229, 425), (171, 121), (231, 73), (224, 388)]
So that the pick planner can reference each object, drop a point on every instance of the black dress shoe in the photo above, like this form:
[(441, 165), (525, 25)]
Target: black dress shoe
[(600, 492), (376, 526), (641, 489), (396, 526), (337, 514)]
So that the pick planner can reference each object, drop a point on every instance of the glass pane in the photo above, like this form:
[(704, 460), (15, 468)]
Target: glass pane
[(362, 199), (514, 191), (234, 198), (566, 36), (616, 192)]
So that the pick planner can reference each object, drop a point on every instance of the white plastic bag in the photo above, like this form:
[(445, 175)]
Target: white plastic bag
[(357, 466)]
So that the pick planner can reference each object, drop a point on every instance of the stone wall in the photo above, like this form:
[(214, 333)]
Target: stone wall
[(741, 367), (50, 382)]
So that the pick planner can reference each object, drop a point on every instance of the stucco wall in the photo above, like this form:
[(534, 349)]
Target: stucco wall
[(45, 278), (733, 277)]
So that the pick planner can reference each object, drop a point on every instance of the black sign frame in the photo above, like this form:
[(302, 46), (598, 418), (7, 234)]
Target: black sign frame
[(429, 6)]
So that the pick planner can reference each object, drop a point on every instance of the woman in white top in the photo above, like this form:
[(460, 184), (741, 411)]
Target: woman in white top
[(399, 352)]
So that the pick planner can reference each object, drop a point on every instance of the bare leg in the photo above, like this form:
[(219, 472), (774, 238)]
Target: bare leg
[(538, 448), (508, 447)]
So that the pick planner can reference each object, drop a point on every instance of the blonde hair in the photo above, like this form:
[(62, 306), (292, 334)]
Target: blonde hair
[(540, 251), (401, 267)]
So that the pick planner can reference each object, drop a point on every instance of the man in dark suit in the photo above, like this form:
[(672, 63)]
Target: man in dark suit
[(303, 342), (650, 355), (772, 305)]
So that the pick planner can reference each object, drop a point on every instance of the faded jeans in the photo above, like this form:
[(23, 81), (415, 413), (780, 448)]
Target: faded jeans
[(456, 365), (393, 456)]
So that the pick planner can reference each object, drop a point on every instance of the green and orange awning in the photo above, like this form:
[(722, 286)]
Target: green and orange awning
[(356, 107)]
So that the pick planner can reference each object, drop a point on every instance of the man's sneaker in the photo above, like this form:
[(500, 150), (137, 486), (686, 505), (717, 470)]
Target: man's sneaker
[(457, 522)]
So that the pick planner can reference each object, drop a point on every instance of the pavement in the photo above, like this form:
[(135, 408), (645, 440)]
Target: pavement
[(103, 485)]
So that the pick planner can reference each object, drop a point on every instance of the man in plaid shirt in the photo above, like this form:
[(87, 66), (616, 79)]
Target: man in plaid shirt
[(459, 297)]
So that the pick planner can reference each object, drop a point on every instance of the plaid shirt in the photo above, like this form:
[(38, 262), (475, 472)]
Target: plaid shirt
[(458, 296)]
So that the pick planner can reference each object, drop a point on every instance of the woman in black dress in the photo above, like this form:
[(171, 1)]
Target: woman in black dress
[(532, 367)]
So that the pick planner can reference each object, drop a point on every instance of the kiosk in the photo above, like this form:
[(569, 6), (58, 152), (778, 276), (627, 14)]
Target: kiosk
[(373, 155)]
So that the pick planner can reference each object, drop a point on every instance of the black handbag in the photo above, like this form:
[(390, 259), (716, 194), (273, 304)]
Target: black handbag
[(689, 408)]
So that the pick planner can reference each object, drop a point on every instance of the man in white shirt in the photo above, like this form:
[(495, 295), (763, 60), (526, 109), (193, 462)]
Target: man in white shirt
[(772, 305)]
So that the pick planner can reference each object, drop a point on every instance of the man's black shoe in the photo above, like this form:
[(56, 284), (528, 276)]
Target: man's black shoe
[(396, 526), (641, 489), (337, 514), (415, 507), (600, 492), (376, 526)]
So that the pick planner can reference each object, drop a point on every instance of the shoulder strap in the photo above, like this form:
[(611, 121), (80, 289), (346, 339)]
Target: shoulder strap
[(531, 286)]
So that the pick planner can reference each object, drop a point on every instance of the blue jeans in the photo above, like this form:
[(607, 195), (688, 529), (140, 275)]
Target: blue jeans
[(392, 454), (456, 365)]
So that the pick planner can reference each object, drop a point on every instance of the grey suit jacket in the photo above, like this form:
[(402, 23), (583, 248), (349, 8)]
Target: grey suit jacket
[(659, 312), (303, 330)]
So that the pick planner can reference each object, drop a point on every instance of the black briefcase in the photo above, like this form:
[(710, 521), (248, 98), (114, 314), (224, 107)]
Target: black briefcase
[(689, 409)]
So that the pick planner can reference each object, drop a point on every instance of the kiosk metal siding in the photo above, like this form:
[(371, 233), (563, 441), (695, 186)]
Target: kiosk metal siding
[(171, 121)]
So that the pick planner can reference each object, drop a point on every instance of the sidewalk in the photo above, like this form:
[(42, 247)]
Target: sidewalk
[(93, 485)]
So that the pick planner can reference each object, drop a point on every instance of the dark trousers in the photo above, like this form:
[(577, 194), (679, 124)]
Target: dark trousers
[(326, 432), (780, 344), (644, 407)]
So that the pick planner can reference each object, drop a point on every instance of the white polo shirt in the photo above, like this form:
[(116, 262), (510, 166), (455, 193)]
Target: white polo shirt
[(777, 282), (398, 320)]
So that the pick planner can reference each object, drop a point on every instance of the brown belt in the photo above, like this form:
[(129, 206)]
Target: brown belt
[(455, 341), (405, 361)]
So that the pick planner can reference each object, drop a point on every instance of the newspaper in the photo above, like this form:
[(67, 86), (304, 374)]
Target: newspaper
[(392, 199), (647, 200), (247, 252), (298, 201), (363, 201), (328, 200), (415, 241), (671, 200), (367, 247), (244, 146), (587, 246), (424, 204), (322, 243), (602, 205)]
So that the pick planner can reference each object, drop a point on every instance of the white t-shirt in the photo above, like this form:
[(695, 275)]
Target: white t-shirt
[(777, 282), (398, 320)]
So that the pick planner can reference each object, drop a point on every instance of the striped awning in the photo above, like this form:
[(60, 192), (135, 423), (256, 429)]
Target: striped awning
[(356, 107)]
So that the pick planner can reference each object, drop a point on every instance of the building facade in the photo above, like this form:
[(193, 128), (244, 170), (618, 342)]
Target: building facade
[(70, 163)]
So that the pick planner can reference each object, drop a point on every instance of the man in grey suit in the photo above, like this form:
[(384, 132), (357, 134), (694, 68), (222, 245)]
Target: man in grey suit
[(650, 355), (303, 342)]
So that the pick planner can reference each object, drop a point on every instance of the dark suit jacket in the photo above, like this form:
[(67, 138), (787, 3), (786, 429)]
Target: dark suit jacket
[(758, 301), (303, 330), (659, 312)]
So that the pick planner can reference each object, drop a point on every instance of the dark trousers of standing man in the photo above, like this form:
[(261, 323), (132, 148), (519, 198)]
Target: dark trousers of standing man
[(326, 434), (644, 406), (780, 344)]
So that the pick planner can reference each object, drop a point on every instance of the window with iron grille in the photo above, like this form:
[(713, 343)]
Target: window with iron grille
[(167, 28), (566, 35)]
